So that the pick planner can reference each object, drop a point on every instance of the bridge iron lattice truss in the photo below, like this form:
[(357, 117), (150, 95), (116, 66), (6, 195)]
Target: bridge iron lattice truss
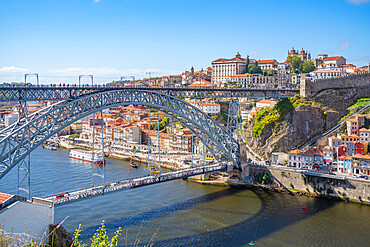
[(69, 93), (28, 133)]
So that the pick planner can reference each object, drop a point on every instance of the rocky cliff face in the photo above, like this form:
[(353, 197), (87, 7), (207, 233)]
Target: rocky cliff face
[(296, 128)]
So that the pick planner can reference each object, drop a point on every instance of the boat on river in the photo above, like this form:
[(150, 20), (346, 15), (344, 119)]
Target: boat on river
[(133, 164), (87, 156), (153, 169)]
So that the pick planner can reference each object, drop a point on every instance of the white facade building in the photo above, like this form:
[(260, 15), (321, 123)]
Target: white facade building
[(326, 74), (211, 108), (264, 103), (365, 135), (223, 69), (268, 64), (10, 119), (244, 80)]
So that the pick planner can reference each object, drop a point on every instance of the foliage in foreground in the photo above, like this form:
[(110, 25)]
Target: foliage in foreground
[(13, 239), (100, 237)]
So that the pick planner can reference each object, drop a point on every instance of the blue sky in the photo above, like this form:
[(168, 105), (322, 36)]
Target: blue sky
[(109, 38)]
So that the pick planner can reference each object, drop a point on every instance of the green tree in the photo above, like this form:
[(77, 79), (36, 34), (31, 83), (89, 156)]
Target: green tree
[(295, 61), (254, 68), (248, 62), (308, 66)]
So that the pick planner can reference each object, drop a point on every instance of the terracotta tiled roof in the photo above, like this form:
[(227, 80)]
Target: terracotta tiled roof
[(313, 152), (334, 138), (296, 151), (266, 61), (328, 148), (242, 75), (331, 58), (352, 121), (264, 101), (234, 59), (4, 197), (358, 156), (364, 130)]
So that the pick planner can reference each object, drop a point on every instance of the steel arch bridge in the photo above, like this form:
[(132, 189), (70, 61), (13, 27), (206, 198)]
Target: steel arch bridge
[(24, 136)]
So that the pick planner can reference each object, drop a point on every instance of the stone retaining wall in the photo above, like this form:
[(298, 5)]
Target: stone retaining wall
[(350, 189), (310, 87)]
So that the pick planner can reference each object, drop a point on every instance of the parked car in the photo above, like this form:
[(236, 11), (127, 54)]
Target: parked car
[(364, 176), (354, 176)]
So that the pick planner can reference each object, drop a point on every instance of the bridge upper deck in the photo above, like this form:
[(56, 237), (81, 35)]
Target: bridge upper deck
[(51, 93)]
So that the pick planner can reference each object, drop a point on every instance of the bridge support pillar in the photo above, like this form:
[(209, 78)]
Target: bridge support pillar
[(24, 166), (243, 153), (234, 119)]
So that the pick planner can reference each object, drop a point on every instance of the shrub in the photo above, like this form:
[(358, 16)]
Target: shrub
[(100, 237), (73, 136), (291, 185), (308, 190), (329, 191)]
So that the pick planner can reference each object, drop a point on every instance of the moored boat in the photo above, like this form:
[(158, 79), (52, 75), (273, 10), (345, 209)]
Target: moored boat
[(87, 156)]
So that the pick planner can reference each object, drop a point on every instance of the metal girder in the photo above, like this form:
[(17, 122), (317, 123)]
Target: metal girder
[(23, 138), (67, 93), (234, 118)]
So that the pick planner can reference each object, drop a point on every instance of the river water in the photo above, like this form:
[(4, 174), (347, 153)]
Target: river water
[(181, 213)]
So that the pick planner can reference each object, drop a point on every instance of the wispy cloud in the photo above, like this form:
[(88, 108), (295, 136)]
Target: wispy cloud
[(358, 2), (254, 54), (13, 69), (96, 1), (344, 45), (71, 74), (106, 74)]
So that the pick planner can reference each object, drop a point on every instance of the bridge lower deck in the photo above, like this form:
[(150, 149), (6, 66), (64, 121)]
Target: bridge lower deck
[(130, 183)]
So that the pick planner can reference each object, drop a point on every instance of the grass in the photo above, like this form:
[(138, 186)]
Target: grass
[(271, 116), (357, 105)]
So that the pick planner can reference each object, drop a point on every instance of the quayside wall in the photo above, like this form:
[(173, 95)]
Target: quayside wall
[(350, 189)]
